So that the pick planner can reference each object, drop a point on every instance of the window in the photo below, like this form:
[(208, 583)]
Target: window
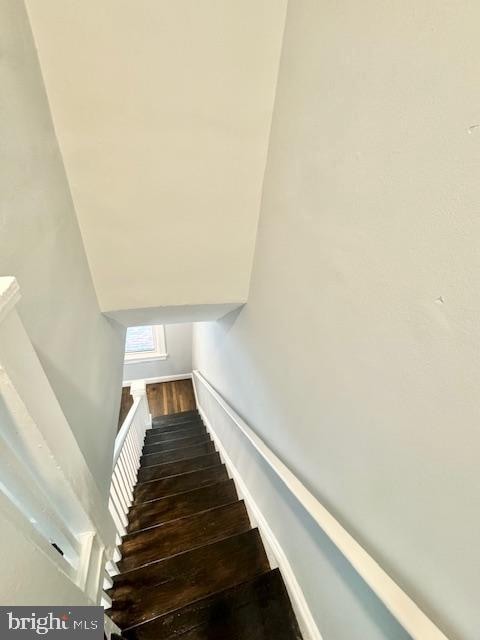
[(145, 343)]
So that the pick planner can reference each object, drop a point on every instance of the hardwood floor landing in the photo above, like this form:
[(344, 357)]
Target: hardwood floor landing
[(164, 398)]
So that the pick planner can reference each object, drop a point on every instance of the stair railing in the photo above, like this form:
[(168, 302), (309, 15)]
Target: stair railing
[(55, 523), (126, 462)]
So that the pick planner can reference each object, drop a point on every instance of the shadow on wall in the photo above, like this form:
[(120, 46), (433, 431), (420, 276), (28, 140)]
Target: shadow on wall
[(89, 412)]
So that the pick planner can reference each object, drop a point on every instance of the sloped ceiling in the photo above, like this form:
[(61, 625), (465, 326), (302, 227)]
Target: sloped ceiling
[(162, 111)]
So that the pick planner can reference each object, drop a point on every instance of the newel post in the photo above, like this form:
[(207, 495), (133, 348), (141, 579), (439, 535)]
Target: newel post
[(138, 389)]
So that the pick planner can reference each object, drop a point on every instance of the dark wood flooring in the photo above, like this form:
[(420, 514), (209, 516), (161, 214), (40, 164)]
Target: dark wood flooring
[(192, 567), (164, 398)]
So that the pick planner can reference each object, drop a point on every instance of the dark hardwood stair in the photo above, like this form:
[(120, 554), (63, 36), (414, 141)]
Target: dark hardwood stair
[(157, 471), (192, 567), (177, 536), (179, 453), (186, 481), (171, 427), (181, 504), (176, 443), (184, 432), (253, 609)]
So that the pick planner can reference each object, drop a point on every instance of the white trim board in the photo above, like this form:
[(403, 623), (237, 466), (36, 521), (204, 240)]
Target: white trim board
[(179, 376), (408, 614)]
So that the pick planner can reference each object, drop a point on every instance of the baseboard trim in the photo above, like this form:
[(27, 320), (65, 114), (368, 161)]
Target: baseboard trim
[(275, 552), (179, 376)]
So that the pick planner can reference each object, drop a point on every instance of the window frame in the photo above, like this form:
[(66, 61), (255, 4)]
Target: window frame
[(160, 352)]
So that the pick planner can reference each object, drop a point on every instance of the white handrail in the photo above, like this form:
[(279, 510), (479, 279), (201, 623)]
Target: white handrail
[(400, 605)]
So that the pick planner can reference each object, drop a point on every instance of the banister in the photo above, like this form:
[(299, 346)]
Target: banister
[(401, 606), (126, 462), (124, 429)]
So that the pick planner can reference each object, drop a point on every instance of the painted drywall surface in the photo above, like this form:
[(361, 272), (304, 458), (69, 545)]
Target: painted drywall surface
[(29, 576), (179, 348), (40, 244), (164, 132), (344, 608), (357, 355)]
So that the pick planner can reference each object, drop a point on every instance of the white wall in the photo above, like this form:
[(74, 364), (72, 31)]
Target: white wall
[(165, 127), (40, 244), (29, 576), (178, 338), (356, 356)]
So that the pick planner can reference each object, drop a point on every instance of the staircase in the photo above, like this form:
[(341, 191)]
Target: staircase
[(192, 567)]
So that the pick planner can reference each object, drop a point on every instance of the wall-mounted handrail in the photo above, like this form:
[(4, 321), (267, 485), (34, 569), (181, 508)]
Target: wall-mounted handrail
[(399, 603)]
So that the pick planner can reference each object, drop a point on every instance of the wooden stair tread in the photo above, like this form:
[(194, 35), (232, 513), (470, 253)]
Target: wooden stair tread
[(165, 540), (181, 504), (177, 454), (157, 471), (152, 437), (177, 484), (258, 609), (176, 443), (169, 584)]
